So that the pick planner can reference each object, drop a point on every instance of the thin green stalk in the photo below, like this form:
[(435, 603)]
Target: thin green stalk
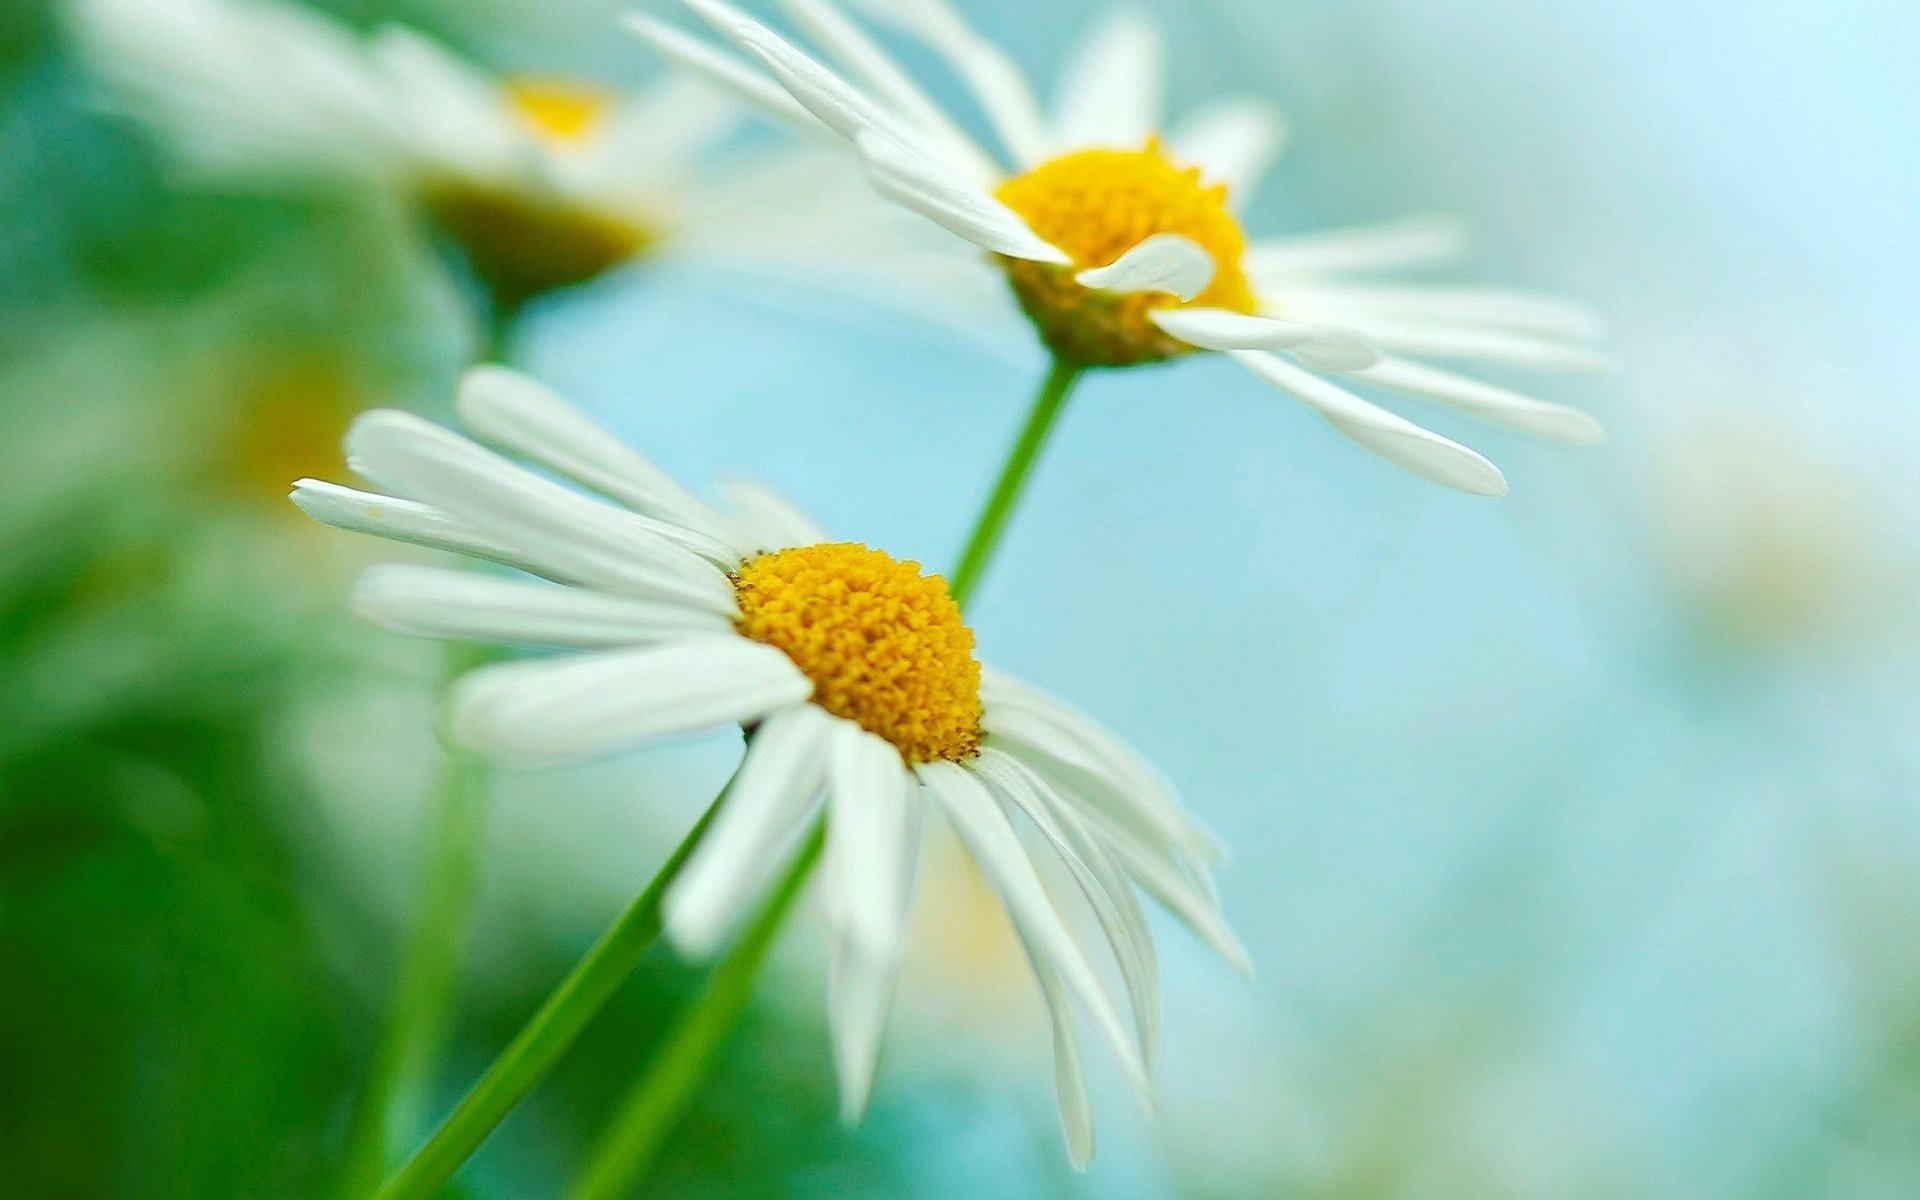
[(419, 1016), (1047, 405), (657, 1099), (542, 1041), (655, 1102), (413, 1035)]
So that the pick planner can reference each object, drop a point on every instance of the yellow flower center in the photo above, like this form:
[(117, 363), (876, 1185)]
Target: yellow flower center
[(561, 110), (883, 644), (1096, 205)]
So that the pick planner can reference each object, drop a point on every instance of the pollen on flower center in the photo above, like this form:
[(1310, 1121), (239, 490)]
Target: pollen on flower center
[(1096, 205), (883, 644), (562, 110)]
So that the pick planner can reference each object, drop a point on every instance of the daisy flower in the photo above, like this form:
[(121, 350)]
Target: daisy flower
[(1124, 245), (852, 672), (543, 182)]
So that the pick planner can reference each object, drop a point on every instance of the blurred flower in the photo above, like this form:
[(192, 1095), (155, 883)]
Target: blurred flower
[(854, 672), (1770, 545), (1121, 253), (543, 183)]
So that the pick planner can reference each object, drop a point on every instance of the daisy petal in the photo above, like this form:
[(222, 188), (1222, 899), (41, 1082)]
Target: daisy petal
[(724, 72), (1069, 1073), (1179, 896), (1165, 262), (517, 414), (1233, 142), (822, 93), (574, 538), (1494, 405), (1322, 347), (1110, 91), (1461, 339), (949, 201), (769, 520), (466, 605), (597, 702), (1390, 245), (1129, 939), (772, 793), (399, 520), (1495, 308), (876, 68), (872, 849), (999, 85), (1393, 438), (1018, 710), (990, 838)]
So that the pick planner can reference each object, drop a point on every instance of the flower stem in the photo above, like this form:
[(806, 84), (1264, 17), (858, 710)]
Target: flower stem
[(655, 1102), (542, 1041), (419, 1014), (657, 1099), (1047, 405)]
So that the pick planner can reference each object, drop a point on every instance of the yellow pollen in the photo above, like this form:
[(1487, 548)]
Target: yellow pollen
[(883, 644), (562, 110), (1096, 205)]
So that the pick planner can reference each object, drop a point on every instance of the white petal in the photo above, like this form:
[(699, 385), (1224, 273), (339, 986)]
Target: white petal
[(866, 787), (1322, 347), (1017, 709), (467, 605), (1120, 811), (1393, 438), (1165, 262), (950, 201), (590, 703), (658, 135), (1496, 308), (768, 520), (1494, 405), (872, 849), (1179, 896), (573, 537), (1069, 1073), (725, 72), (839, 106), (399, 520), (1116, 912), (1459, 339), (996, 849), (1392, 244), (1110, 91), (772, 794), (515, 413), (876, 69), (999, 85), (1233, 142), (450, 111)]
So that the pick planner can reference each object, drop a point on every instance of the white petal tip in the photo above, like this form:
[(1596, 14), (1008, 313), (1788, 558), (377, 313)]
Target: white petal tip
[(1165, 262)]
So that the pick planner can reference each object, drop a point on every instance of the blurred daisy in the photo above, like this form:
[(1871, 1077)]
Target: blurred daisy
[(542, 182), (1125, 247), (852, 672)]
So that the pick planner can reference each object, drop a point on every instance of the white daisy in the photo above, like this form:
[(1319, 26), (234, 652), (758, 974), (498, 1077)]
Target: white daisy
[(543, 182), (1124, 247), (852, 672)]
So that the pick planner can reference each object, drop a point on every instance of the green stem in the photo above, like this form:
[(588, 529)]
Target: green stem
[(1047, 405), (539, 1045), (657, 1099), (655, 1102), (413, 1036)]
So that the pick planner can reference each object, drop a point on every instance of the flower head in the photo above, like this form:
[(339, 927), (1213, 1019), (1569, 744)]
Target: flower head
[(852, 669), (542, 182), (1123, 242)]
